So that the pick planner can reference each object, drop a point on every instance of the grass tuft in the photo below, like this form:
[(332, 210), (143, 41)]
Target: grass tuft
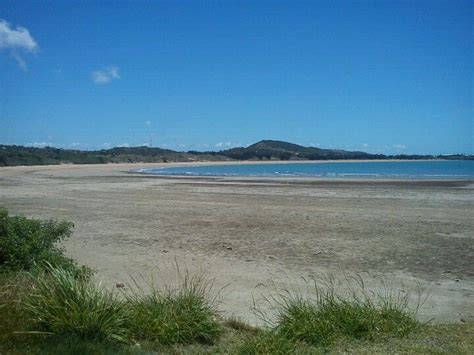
[(328, 317), (175, 316), (62, 304)]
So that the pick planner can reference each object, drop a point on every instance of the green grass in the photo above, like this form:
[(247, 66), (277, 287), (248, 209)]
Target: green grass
[(196, 334), (13, 317), (182, 315), (61, 304), (270, 342), (330, 318), (326, 317)]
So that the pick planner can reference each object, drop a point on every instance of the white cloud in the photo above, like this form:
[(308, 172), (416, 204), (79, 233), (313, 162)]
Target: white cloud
[(18, 38), (365, 145), (76, 145), (223, 144), (105, 76), (399, 146), (40, 144), (17, 41), (147, 122)]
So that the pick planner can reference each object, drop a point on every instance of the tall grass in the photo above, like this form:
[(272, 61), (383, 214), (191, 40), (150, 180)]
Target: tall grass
[(13, 318), (326, 316), (62, 304), (181, 315)]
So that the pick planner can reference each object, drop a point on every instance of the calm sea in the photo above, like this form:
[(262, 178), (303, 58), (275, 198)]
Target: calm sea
[(460, 169)]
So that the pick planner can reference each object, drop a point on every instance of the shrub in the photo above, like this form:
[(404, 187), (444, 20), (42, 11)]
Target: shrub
[(26, 242), (62, 304), (180, 316)]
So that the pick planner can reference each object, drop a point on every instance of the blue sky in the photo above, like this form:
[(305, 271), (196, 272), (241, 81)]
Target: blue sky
[(378, 76)]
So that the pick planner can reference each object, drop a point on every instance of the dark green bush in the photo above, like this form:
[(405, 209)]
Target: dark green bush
[(24, 243)]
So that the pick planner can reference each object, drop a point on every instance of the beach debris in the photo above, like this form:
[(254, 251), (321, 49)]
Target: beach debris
[(165, 251), (119, 285), (229, 248), (317, 253)]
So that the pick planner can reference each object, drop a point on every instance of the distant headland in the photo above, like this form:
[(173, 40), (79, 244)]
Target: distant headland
[(13, 155)]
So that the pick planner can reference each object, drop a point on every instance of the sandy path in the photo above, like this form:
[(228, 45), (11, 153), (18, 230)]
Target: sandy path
[(243, 233)]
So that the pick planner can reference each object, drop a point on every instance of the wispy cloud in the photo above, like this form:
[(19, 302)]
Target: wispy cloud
[(17, 41), (40, 144), (223, 144), (399, 146), (105, 76), (76, 145)]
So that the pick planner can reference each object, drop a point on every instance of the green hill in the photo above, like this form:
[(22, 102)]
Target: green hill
[(278, 150)]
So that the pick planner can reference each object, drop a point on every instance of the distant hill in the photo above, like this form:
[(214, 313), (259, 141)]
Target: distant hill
[(11, 155), (277, 150)]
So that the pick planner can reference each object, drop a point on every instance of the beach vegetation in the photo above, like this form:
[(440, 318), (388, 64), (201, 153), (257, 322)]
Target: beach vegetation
[(176, 315), (329, 318), (59, 303), (47, 309), (26, 242)]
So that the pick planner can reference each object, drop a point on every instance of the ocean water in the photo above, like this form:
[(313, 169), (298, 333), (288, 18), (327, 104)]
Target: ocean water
[(454, 169)]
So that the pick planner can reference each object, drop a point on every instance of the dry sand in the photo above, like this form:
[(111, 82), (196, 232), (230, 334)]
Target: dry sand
[(258, 235)]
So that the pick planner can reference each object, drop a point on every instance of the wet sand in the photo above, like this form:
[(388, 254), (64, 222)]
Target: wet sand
[(255, 235)]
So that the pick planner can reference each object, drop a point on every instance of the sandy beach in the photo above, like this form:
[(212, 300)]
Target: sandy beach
[(252, 236)]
